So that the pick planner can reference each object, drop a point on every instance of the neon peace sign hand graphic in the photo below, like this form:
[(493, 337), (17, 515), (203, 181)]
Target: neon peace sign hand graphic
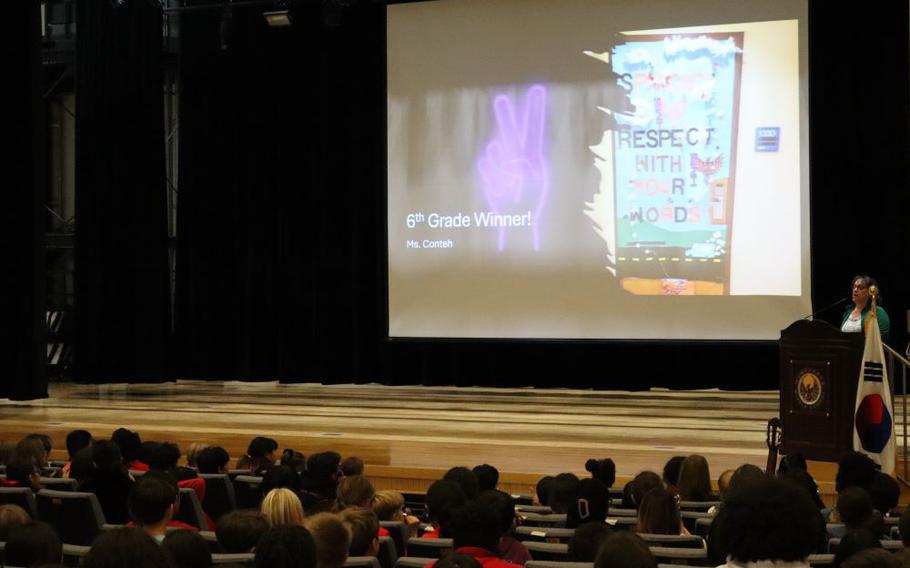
[(515, 174)]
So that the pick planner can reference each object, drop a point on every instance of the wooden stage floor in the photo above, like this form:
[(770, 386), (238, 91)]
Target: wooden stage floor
[(408, 435)]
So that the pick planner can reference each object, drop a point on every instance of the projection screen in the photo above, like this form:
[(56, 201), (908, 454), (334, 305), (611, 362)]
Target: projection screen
[(576, 169)]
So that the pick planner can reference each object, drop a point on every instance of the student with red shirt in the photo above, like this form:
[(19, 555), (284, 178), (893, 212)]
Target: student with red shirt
[(476, 530), (154, 502), (130, 445), (22, 472), (443, 498)]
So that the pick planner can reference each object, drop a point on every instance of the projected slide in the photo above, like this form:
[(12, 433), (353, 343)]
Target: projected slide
[(553, 176)]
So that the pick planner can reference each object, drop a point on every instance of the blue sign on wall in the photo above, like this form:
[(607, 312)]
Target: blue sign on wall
[(767, 139)]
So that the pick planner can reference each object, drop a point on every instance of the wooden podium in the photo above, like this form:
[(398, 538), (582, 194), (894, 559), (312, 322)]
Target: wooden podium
[(819, 370)]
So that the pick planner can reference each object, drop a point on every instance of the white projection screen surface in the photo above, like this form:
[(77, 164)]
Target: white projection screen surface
[(579, 169)]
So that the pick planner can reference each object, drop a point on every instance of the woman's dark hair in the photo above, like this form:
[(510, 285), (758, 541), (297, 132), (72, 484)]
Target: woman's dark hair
[(443, 498), (280, 476), (671, 470), (641, 484), (802, 479), (212, 459), (351, 466), (293, 458), (107, 458), (323, 467), (792, 461), (695, 480), (587, 540), (487, 476), (187, 549), (502, 503), (464, 477), (659, 513), (625, 549), (767, 520), (561, 496), (591, 503), (286, 546), (868, 281), (604, 470), (256, 454), (129, 442), (126, 546), (76, 440), (543, 489), (33, 544)]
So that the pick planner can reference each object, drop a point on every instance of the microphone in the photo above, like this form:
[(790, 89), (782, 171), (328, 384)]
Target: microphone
[(826, 308)]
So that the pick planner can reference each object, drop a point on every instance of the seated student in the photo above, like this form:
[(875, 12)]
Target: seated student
[(293, 458), (11, 516), (153, 504), (33, 447), (803, 479), (885, 493), (351, 466), (695, 480), (187, 549), (723, 483), (389, 506), (280, 476), (854, 469), (282, 507), (659, 514), (625, 549), (260, 455), (125, 547), (332, 539), (33, 544), (286, 546), (364, 527), (75, 441), (542, 490), (163, 456), (591, 504), (130, 445), (767, 521), (561, 495), (587, 540), (635, 490), (319, 484), (22, 472), (443, 497), (604, 470), (791, 462), (354, 491), (476, 531), (109, 480), (464, 477), (855, 511), (192, 454), (509, 548), (670, 475), (239, 531), (854, 542), (452, 560), (212, 459), (487, 477)]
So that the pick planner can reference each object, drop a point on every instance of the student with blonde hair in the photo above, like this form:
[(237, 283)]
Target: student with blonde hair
[(282, 507)]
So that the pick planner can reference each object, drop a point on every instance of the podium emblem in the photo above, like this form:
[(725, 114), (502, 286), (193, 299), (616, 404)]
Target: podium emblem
[(810, 389)]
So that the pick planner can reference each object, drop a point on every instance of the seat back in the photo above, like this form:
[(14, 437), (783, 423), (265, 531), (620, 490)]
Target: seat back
[(673, 540), (76, 515), (190, 511), (672, 555), (543, 534), (388, 553), (234, 558), (413, 561), (22, 496), (558, 552), (542, 520), (65, 484), (362, 562), (554, 564), (398, 531), (429, 547), (248, 491), (219, 495)]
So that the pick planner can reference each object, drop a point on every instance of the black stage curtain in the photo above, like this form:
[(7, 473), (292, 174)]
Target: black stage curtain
[(121, 281), (23, 335), (281, 241)]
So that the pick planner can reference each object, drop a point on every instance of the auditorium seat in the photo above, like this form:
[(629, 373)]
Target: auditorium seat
[(523, 499), (702, 526), (429, 547), (190, 511), (541, 520), (539, 509), (543, 534), (77, 516), (248, 491), (22, 496), (697, 505), (673, 540), (620, 512), (233, 558), (893, 545), (388, 552), (548, 550), (623, 523), (362, 562), (821, 560), (66, 484), (554, 564), (672, 555), (398, 532), (219, 495), (413, 561), (689, 518)]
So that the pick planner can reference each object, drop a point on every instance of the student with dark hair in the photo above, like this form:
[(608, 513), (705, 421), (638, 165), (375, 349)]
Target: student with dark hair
[(591, 504), (213, 459), (670, 475), (801, 478), (604, 470), (239, 531), (153, 504), (75, 441), (130, 445), (659, 514), (476, 531), (792, 461), (625, 549), (854, 470), (587, 540), (287, 546), (856, 511), (695, 480), (354, 491), (109, 481), (443, 498), (260, 455), (187, 549), (487, 477), (11, 516), (33, 544), (319, 484), (542, 490), (453, 560), (509, 548), (745, 476), (561, 496), (280, 476), (769, 521), (464, 477), (364, 526), (885, 492), (22, 472), (125, 547), (163, 456), (293, 458), (639, 486), (332, 539), (351, 466), (854, 542)]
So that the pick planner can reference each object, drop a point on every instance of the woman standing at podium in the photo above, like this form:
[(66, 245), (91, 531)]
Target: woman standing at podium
[(855, 316)]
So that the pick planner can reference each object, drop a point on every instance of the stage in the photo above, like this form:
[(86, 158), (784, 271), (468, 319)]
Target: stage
[(409, 435)]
